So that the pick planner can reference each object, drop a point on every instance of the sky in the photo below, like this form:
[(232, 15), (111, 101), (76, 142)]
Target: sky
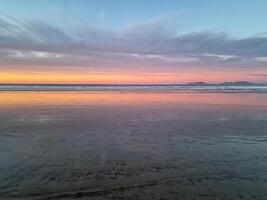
[(133, 42)]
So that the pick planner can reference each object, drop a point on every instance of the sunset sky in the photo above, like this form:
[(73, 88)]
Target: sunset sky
[(135, 42)]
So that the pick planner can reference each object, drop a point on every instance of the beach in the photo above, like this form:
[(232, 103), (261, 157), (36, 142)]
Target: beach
[(133, 145)]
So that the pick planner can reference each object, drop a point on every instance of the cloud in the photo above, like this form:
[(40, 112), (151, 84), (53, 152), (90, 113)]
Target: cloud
[(259, 75), (30, 54), (157, 42), (261, 59), (44, 32)]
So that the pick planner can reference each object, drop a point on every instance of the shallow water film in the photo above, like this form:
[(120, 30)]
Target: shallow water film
[(133, 145)]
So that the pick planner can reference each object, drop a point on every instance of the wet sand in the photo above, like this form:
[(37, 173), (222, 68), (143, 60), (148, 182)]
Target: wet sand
[(133, 145)]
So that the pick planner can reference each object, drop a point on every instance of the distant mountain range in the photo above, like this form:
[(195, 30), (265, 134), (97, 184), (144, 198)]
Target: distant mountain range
[(236, 83)]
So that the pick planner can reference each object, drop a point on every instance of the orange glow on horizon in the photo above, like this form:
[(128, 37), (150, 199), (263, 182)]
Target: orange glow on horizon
[(66, 76)]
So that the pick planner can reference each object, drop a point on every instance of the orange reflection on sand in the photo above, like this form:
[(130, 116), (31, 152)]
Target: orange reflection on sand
[(76, 98)]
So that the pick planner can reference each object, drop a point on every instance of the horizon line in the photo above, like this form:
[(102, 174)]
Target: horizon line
[(140, 84)]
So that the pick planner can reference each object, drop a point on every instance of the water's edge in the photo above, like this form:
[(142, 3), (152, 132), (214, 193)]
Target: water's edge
[(215, 88)]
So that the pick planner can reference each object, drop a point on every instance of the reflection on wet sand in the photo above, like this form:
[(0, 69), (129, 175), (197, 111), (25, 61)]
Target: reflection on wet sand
[(133, 145)]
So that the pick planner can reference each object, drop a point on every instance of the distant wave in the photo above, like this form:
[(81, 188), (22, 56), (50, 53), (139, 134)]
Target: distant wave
[(222, 88)]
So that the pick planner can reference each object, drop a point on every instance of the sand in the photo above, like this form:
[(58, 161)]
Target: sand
[(133, 145)]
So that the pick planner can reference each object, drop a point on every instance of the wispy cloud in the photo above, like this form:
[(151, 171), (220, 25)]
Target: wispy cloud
[(157, 42), (259, 75)]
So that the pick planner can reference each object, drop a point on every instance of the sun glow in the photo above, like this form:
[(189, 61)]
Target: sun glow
[(118, 77)]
